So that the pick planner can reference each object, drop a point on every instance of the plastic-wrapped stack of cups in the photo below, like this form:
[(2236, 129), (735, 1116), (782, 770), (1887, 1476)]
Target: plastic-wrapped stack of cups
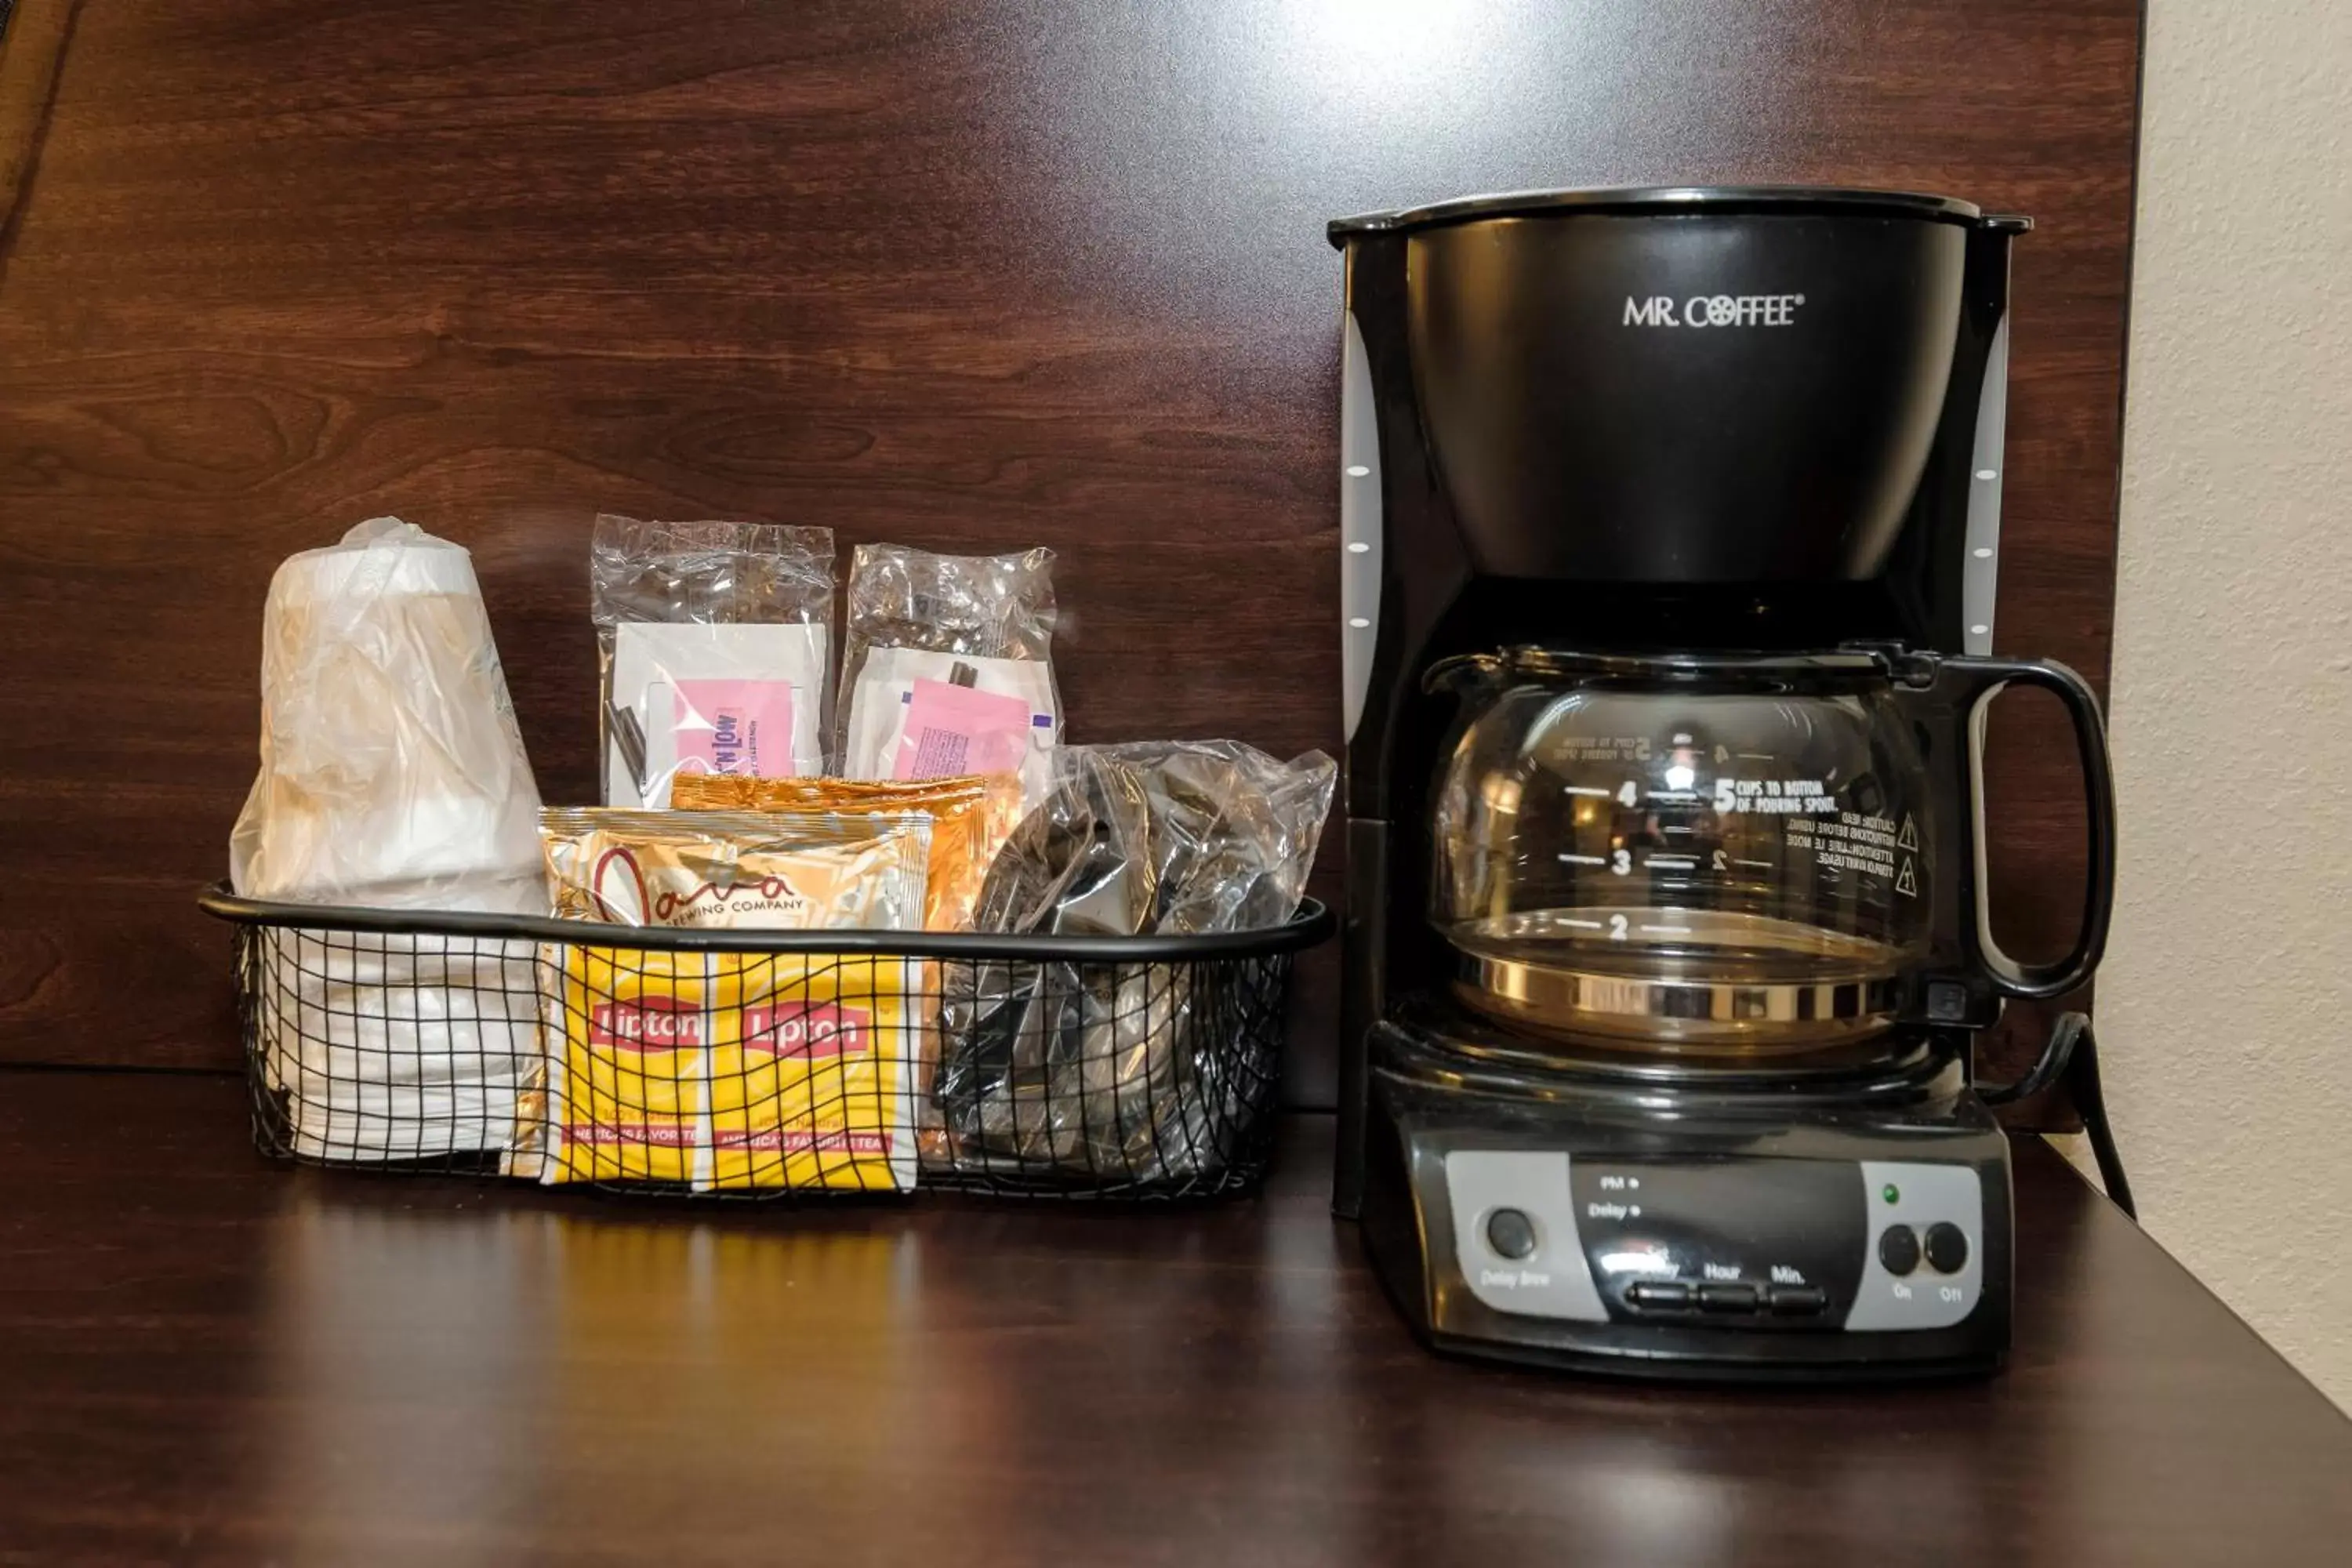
[(393, 776)]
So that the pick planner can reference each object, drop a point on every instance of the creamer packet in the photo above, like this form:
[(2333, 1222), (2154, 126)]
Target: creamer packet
[(725, 1069)]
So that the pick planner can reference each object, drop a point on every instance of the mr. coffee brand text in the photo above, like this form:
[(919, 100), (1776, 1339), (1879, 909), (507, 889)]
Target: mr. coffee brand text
[(1714, 310)]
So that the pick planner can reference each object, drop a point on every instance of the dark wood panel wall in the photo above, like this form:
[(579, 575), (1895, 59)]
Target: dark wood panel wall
[(964, 275)]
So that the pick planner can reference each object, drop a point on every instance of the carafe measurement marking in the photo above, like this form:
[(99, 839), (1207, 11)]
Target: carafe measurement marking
[(1773, 797)]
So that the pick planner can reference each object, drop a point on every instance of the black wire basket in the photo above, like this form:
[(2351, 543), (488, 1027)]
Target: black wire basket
[(753, 1064)]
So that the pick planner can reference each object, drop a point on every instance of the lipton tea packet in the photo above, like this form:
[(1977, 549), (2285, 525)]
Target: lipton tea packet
[(971, 817), (715, 1069)]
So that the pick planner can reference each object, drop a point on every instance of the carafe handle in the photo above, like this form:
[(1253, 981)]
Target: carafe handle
[(1970, 684)]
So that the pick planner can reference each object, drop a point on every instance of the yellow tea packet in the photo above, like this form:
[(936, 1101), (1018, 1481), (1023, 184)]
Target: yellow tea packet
[(717, 1069), (811, 1078), (623, 1095), (971, 817)]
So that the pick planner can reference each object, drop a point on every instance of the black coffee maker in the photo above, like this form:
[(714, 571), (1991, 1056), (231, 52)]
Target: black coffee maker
[(1670, 526)]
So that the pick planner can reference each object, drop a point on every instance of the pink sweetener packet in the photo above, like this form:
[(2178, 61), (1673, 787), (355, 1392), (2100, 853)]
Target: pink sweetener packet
[(742, 727), (953, 730)]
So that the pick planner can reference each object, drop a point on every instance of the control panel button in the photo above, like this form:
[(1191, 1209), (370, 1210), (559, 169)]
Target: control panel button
[(1795, 1301), (1727, 1298), (1655, 1294), (1511, 1234), (1898, 1249), (1552, 1280), (1911, 1202), (1947, 1247)]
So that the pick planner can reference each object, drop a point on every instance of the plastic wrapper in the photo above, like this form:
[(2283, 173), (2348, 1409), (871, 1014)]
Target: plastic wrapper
[(947, 666), (1119, 1070), (391, 775), (712, 644), (395, 1046), (715, 1069), (971, 817)]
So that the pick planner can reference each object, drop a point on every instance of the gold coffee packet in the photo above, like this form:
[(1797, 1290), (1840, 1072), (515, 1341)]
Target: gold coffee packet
[(769, 870), (971, 817)]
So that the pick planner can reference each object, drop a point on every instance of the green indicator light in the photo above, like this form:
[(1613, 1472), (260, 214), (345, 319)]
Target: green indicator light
[(1891, 1193)]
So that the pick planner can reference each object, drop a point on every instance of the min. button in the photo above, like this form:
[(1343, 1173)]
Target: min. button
[(1795, 1300)]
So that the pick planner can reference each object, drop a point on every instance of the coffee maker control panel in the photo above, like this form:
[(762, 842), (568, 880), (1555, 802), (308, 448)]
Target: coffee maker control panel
[(1763, 1242)]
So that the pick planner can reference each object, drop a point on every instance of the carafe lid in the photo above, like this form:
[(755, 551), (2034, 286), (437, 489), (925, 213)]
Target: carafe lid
[(1680, 200), (1828, 670)]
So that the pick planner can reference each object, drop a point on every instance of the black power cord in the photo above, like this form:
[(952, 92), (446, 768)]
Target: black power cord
[(2073, 1055)]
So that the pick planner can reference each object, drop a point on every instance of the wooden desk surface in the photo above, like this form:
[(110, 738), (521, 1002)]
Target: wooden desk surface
[(205, 1358)]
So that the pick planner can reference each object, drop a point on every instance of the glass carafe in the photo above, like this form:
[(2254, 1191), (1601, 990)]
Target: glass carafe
[(1705, 854)]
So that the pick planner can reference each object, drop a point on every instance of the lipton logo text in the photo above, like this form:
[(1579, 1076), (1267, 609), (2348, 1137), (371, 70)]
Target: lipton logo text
[(648, 1024), (805, 1029)]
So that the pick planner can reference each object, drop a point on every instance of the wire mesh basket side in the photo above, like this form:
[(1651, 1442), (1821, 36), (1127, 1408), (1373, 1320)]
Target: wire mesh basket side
[(714, 1072), (399, 1050), (1119, 1079)]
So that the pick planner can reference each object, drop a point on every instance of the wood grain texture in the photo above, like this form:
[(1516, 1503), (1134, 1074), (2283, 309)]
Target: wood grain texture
[(30, 56), (964, 275), (211, 1361)]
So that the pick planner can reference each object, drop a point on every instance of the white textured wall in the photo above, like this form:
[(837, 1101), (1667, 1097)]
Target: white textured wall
[(2225, 1005)]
